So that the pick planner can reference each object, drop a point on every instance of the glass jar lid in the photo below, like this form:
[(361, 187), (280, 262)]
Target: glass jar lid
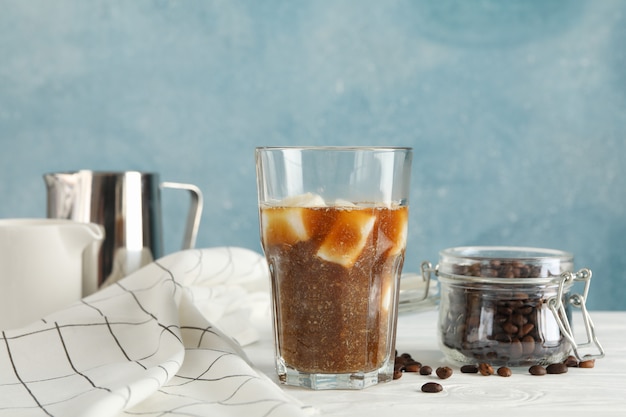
[(503, 264)]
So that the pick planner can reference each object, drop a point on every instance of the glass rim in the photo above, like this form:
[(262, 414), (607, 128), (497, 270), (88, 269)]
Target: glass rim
[(335, 148)]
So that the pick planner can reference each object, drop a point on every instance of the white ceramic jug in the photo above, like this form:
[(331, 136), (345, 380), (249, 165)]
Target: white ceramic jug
[(41, 266)]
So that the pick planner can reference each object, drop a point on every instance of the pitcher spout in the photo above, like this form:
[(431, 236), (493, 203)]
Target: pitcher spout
[(86, 239), (87, 234)]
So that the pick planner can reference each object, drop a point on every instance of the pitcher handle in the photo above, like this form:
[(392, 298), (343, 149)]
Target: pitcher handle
[(195, 211)]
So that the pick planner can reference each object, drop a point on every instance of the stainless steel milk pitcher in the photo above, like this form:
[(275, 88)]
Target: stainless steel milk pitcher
[(128, 205)]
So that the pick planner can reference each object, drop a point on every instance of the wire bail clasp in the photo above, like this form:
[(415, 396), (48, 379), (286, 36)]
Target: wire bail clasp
[(557, 306), (427, 269)]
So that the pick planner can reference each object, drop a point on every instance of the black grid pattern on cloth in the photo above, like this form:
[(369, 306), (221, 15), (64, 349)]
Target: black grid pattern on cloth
[(138, 347)]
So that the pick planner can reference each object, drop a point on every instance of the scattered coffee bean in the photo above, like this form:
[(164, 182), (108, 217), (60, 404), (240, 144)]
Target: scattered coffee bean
[(432, 387), (537, 370), (426, 370), (413, 366), (401, 361), (469, 369), (444, 372), (485, 369), (405, 363), (556, 368), (504, 371), (589, 363), (571, 361)]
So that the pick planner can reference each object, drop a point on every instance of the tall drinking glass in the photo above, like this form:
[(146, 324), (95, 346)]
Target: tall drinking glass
[(333, 224)]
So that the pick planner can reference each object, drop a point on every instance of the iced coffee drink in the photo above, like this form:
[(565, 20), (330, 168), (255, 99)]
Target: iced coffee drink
[(334, 273), (335, 262)]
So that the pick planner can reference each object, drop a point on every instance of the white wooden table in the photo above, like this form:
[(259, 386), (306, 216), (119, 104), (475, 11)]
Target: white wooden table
[(598, 392)]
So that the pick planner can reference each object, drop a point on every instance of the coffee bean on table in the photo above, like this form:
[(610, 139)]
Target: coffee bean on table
[(444, 372), (405, 363), (504, 371), (469, 369), (571, 361), (426, 370), (556, 368), (590, 363), (413, 366), (537, 370), (485, 369), (432, 387)]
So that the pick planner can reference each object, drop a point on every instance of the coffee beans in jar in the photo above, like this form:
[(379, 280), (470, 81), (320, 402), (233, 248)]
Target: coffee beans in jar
[(495, 305)]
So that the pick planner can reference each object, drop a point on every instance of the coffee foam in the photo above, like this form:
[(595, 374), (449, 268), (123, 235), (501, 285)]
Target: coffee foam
[(312, 200), (301, 200)]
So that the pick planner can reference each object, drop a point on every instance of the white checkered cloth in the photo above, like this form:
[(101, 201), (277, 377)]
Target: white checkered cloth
[(152, 344)]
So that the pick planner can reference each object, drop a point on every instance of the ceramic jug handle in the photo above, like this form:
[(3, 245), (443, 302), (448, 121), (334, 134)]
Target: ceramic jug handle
[(195, 211)]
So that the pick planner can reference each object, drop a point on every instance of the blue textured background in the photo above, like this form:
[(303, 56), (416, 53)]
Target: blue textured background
[(516, 110)]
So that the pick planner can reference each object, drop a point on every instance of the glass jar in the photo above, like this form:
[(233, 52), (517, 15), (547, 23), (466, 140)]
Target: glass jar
[(509, 306)]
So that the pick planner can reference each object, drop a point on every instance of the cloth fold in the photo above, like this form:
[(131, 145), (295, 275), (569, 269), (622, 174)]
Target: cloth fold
[(166, 340)]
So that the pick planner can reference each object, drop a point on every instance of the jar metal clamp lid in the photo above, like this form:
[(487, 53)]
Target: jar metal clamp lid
[(577, 300), (455, 267)]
